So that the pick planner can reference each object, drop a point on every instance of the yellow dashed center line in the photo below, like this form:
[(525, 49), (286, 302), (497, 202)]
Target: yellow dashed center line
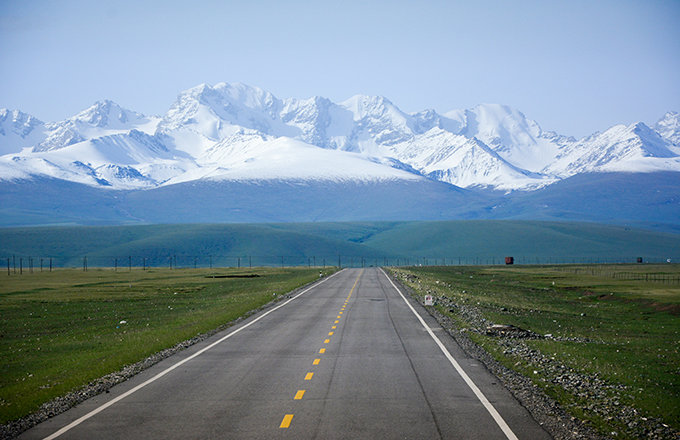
[(335, 326), (286, 421)]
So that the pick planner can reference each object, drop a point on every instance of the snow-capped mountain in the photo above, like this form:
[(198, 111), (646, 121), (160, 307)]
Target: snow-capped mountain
[(19, 130), (238, 132), (668, 128), (100, 120), (634, 148)]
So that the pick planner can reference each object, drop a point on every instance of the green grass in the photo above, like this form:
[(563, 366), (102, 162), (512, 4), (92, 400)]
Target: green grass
[(465, 242), (60, 330), (632, 328)]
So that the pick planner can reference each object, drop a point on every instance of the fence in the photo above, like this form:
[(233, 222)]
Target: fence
[(664, 278), (28, 264)]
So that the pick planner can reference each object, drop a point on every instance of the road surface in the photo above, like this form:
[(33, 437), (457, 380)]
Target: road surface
[(349, 358)]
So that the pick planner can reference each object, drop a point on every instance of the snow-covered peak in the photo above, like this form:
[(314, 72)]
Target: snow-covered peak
[(19, 130), (101, 119), (496, 125), (220, 111), (378, 122), (635, 140), (110, 115), (251, 97), (508, 132), (377, 109), (621, 148), (652, 143), (428, 119), (312, 117), (17, 122), (669, 128)]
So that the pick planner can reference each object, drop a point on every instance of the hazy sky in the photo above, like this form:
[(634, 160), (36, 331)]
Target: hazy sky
[(575, 67)]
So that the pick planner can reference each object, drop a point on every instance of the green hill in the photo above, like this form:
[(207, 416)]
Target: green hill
[(440, 242)]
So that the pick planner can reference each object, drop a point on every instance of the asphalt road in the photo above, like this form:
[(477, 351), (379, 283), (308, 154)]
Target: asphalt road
[(347, 359)]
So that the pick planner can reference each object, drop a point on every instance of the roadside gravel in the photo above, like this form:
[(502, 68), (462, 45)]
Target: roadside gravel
[(603, 397)]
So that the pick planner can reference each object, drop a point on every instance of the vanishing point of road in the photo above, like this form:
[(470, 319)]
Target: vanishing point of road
[(351, 357)]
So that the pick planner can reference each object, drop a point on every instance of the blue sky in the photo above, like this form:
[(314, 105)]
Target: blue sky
[(575, 67)]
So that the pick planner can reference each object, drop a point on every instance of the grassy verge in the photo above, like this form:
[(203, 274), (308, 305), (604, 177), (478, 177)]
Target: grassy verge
[(611, 356), (60, 330)]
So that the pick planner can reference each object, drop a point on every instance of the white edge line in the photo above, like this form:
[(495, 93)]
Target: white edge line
[(482, 398), (178, 364)]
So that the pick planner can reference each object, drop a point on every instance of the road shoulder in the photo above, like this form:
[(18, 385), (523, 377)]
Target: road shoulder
[(543, 409)]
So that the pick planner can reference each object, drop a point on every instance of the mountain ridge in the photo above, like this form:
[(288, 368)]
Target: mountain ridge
[(490, 145), (235, 153)]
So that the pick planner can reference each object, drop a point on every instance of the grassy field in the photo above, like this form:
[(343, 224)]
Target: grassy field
[(612, 357), (614, 327), (59, 330)]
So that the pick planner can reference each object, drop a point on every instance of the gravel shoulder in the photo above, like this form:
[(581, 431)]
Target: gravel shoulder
[(544, 409)]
